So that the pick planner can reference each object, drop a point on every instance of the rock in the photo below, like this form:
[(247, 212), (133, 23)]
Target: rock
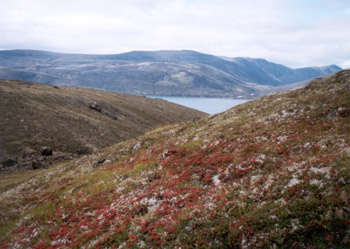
[(36, 165), (102, 161), (46, 151), (83, 151), (168, 153), (344, 112), (93, 105), (99, 162), (56, 87), (111, 115), (40, 164), (339, 112), (137, 146), (332, 114)]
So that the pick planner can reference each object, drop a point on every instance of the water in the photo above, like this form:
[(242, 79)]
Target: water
[(208, 105)]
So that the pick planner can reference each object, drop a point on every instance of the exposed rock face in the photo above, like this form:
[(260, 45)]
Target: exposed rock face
[(95, 106)]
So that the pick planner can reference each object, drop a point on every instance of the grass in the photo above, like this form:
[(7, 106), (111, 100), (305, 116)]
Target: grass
[(35, 115), (11, 180)]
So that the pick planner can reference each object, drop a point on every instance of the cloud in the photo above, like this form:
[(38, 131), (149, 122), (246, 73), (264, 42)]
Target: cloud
[(295, 33)]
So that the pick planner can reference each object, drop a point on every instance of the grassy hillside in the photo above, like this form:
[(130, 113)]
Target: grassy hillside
[(35, 115), (272, 173)]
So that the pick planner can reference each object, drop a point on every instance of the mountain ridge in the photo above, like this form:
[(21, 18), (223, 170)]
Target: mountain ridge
[(163, 73)]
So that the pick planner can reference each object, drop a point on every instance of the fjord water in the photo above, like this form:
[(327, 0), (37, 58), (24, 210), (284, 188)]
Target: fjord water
[(207, 105)]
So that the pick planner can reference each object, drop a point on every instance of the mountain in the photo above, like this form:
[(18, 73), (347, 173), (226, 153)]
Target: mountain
[(270, 173), (162, 73), (63, 118)]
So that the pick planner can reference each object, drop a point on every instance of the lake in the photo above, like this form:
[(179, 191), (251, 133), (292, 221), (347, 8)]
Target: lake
[(208, 105)]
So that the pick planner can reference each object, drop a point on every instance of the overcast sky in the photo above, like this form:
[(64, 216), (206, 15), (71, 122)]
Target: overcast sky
[(295, 33)]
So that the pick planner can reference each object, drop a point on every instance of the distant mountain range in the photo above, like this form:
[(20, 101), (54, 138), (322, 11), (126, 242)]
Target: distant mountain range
[(162, 73)]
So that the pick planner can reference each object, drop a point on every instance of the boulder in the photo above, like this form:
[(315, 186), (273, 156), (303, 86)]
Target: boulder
[(111, 115), (46, 151), (93, 105), (40, 165), (99, 162), (102, 161), (36, 165)]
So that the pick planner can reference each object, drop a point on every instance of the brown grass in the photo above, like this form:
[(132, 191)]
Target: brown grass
[(35, 115)]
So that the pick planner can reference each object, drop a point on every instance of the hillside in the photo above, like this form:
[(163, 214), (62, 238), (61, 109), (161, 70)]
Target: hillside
[(35, 115), (158, 73), (271, 173)]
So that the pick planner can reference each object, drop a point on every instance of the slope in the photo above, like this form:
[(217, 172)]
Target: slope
[(166, 72), (271, 173), (34, 115)]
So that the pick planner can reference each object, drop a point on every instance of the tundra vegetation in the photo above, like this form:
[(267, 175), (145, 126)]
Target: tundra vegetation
[(73, 121), (271, 173)]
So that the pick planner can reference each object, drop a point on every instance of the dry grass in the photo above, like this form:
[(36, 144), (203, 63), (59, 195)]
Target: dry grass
[(35, 115)]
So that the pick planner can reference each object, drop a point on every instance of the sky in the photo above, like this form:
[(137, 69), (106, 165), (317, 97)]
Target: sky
[(295, 33)]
